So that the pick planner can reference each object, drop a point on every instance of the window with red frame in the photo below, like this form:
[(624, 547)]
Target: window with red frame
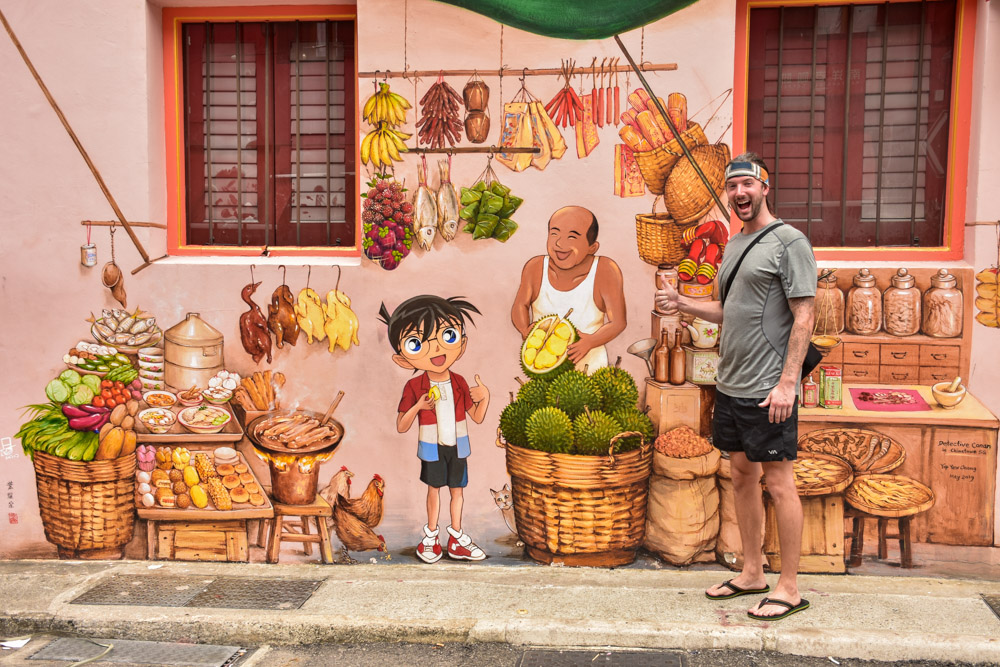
[(850, 107), (269, 133)]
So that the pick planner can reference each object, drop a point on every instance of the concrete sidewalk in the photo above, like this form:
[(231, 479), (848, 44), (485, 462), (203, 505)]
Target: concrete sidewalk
[(875, 618)]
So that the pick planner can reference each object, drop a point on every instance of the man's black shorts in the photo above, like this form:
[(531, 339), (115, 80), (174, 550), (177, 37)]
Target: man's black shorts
[(449, 470), (741, 425)]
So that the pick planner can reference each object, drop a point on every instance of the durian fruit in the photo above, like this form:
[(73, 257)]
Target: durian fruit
[(545, 351), (631, 419), (533, 392), (550, 430), (572, 392), (618, 390), (594, 430), (514, 419)]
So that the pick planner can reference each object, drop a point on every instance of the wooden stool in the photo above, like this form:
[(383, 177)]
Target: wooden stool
[(281, 530), (885, 497)]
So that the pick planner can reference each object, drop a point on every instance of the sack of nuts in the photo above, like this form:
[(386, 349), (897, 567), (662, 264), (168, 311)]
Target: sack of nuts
[(682, 443)]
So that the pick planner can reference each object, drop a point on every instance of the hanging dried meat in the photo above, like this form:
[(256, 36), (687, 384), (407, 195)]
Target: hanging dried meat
[(441, 118), (565, 108)]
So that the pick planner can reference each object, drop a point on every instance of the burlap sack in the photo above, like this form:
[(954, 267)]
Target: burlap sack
[(682, 517)]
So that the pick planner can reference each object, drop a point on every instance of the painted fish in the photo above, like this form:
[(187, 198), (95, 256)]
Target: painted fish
[(102, 332), (447, 203), (425, 213), (108, 317), (141, 325), (125, 325), (143, 338)]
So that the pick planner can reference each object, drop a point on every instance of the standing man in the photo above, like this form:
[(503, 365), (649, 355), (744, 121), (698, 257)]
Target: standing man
[(571, 275), (768, 316)]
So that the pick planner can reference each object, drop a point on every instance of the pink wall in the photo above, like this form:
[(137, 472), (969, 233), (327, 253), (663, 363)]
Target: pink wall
[(101, 60)]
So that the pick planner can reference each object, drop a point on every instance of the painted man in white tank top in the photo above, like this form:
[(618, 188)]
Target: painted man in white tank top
[(571, 275)]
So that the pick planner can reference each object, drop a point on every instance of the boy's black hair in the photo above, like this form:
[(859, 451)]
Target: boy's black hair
[(424, 314)]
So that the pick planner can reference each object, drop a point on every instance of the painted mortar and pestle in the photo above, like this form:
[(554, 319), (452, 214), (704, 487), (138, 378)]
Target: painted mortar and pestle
[(949, 394)]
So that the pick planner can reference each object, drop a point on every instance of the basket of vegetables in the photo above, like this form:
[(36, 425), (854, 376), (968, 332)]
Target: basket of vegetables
[(82, 443)]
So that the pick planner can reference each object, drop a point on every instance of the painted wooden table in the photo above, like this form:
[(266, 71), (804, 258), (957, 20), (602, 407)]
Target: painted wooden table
[(954, 452)]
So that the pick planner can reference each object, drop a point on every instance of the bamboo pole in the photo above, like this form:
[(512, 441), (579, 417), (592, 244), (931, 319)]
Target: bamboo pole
[(76, 140), (109, 223), (476, 149), (527, 71)]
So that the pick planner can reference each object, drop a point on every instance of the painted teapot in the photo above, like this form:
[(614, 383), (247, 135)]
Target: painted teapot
[(704, 334)]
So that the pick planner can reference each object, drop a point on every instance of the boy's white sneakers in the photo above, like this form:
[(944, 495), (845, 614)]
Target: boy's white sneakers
[(429, 549), (461, 547)]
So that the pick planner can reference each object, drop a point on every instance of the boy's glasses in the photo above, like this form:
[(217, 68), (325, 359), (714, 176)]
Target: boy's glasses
[(447, 338)]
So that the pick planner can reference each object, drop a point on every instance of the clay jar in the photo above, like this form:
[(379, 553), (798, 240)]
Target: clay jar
[(477, 126), (476, 95)]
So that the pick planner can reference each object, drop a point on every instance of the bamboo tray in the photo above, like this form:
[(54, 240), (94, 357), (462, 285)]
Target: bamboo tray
[(239, 511), (231, 432), (891, 496), (820, 474), (867, 451)]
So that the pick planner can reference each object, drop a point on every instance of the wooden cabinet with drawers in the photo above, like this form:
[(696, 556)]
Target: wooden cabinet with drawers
[(882, 358)]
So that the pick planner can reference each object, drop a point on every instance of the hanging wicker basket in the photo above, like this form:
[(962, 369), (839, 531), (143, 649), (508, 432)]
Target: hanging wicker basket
[(581, 510), (655, 165), (685, 195), (87, 507), (660, 238)]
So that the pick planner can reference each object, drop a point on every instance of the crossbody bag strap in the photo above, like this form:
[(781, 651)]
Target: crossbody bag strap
[(729, 281)]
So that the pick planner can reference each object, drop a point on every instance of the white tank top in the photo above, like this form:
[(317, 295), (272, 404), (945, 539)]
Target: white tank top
[(585, 316)]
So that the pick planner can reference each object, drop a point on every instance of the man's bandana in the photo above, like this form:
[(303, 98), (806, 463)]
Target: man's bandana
[(736, 169)]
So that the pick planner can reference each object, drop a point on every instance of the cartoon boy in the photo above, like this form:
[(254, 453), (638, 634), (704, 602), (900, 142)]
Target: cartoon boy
[(427, 333)]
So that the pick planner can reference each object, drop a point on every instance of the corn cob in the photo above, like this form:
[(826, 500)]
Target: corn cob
[(219, 495), (204, 466)]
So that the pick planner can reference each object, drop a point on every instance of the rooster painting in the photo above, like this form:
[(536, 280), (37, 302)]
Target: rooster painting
[(354, 519)]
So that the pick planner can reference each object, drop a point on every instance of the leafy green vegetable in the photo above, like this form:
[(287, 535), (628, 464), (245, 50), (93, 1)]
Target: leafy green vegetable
[(485, 225), (490, 203), (480, 186), (57, 391), (70, 377), (469, 227), (93, 382), (504, 230), (470, 196), (81, 394)]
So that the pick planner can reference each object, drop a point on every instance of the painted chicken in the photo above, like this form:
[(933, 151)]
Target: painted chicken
[(341, 323), (309, 313), (447, 203), (354, 533), (253, 327), (281, 317), (340, 485), (369, 506), (425, 214)]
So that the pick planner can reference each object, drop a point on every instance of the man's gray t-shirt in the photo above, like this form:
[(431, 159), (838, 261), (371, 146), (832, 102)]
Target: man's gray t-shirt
[(756, 318)]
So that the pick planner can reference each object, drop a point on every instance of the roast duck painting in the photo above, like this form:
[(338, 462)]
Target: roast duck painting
[(254, 333)]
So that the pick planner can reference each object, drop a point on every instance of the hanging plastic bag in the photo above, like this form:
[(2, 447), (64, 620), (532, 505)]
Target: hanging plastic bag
[(539, 138)]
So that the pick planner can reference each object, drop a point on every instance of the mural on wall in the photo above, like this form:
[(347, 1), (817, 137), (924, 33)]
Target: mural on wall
[(428, 333), (603, 462)]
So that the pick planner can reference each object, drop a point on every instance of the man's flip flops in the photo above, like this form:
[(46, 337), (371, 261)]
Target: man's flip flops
[(792, 608), (736, 591)]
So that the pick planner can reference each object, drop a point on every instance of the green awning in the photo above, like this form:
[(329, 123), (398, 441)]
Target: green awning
[(574, 19)]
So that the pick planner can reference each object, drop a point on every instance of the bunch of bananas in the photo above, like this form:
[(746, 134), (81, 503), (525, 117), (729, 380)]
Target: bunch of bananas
[(386, 106), (383, 145), (987, 298), (385, 110)]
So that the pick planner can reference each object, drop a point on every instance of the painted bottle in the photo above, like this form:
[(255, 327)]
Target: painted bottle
[(661, 359), (677, 365), (810, 393)]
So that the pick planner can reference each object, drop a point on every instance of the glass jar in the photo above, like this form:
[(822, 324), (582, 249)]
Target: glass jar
[(901, 305), (943, 306), (864, 305), (829, 306)]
